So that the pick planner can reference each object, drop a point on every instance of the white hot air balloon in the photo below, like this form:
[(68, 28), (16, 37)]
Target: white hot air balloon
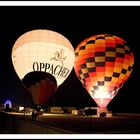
[(43, 50)]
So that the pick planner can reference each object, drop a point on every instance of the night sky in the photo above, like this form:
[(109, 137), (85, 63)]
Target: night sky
[(76, 23)]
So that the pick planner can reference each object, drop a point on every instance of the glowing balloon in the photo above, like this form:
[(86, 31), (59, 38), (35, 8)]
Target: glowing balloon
[(43, 50), (103, 63), (40, 87)]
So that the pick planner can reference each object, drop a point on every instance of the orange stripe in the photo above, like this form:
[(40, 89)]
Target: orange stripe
[(100, 69), (109, 64), (119, 60), (100, 49)]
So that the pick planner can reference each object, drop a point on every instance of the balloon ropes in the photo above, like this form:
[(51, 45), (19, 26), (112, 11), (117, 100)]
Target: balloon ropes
[(103, 63)]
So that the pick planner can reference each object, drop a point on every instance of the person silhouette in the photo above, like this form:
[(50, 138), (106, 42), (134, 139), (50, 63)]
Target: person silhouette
[(34, 115)]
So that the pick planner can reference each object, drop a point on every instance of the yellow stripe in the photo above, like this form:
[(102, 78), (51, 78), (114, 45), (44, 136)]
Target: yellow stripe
[(100, 59), (90, 65), (120, 50), (110, 54), (84, 70)]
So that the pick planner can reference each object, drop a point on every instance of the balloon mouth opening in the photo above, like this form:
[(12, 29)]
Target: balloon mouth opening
[(102, 97), (102, 102)]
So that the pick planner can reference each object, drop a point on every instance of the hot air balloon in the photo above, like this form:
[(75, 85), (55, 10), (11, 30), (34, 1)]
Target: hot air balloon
[(103, 63), (43, 50), (40, 88)]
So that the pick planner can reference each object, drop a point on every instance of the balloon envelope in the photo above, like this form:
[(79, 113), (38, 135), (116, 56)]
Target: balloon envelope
[(103, 63), (43, 50), (40, 87)]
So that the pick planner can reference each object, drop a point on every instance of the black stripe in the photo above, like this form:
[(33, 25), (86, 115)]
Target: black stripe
[(86, 75), (91, 42), (101, 83), (112, 49), (99, 54), (92, 69), (100, 37), (121, 55), (119, 46), (108, 78), (83, 66), (110, 59), (115, 74), (82, 48), (91, 59), (124, 71), (99, 64), (80, 72)]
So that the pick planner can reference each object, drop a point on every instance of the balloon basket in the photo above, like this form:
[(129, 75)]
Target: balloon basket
[(103, 112)]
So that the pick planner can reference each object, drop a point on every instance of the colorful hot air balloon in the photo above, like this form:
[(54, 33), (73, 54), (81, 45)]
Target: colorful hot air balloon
[(40, 87), (43, 50), (103, 63)]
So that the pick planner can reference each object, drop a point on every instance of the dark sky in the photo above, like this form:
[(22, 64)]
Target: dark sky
[(76, 23)]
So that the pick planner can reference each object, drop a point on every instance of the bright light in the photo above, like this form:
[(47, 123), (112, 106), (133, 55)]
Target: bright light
[(21, 108), (43, 50), (9, 103), (102, 97), (101, 93)]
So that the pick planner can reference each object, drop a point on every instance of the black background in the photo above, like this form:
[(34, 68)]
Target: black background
[(76, 23)]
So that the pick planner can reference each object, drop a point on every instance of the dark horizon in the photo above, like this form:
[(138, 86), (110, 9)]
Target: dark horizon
[(76, 23)]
